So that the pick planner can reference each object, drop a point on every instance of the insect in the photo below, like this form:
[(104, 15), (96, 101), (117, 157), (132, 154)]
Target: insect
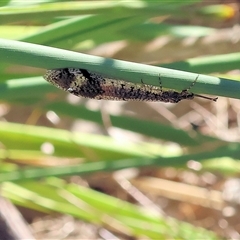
[(81, 82)]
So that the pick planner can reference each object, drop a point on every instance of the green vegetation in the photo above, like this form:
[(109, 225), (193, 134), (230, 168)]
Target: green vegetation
[(51, 35)]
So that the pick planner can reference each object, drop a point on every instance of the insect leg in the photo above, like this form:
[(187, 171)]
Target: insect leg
[(144, 85), (197, 95), (160, 82), (142, 82), (192, 84)]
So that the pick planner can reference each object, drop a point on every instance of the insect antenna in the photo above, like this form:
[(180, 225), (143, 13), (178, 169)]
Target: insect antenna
[(209, 98)]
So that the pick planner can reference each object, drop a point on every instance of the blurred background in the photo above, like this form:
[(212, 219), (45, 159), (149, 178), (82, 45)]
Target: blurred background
[(85, 169)]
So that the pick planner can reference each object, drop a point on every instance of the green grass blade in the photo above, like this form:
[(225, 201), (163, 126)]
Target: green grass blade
[(46, 57), (230, 151), (209, 64), (24, 88), (100, 209), (89, 146), (39, 12)]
